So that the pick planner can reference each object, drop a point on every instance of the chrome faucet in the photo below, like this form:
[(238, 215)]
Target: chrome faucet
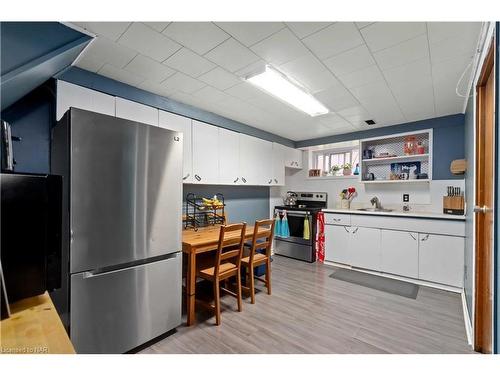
[(376, 202)]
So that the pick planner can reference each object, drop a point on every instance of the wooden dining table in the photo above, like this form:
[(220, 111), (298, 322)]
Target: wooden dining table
[(194, 243)]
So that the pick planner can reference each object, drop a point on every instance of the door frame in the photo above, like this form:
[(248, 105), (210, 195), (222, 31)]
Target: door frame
[(483, 273)]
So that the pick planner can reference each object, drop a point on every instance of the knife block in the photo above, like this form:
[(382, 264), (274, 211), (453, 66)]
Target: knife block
[(454, 205)]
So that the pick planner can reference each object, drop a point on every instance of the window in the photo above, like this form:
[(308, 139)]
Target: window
[(326, 159)]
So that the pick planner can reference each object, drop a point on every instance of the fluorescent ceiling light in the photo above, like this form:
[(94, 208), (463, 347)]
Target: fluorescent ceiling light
[(280, 86)]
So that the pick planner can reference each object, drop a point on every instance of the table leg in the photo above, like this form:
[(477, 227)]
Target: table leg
[(191, 288)]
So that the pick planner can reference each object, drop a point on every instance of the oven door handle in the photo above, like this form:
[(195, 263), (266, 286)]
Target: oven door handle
[(295, 213)]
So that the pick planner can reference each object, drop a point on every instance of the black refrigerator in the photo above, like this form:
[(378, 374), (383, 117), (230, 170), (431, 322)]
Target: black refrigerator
[(31, 226)]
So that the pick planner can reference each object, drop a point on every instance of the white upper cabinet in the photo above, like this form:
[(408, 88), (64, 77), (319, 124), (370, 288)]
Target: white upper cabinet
[(293, 158), (229, 157), (130, 110), (205, 153), (70, 95), (278, 164), (249, 154), (264, 162), (181, 124)]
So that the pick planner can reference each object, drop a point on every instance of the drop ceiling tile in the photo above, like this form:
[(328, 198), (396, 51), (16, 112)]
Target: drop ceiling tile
[(111, 30), (454, 47), (181, 82), (210, 94), (244, 91), (377, 92), (350, 61), (415, 101), (148, 42), (250, 33), (90, 63), (251, 69), (382, 35), (189, 63), (303, 29), (414, 76), (310, 73), (332, 120), (120, 75), (220, 79), (362, 77), (200, 37), (155, 88), (403, 53), (109, 52), (158, 26), (440, 31), (280, 48), (356, 110), (149, 68), (336, 98), (360, 25), (231, 55), (334, 39)]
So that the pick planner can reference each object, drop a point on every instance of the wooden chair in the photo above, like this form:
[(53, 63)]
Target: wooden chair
[(262, 239), (227, 264)]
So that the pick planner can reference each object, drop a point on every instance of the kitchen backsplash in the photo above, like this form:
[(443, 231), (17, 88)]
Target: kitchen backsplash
[(424, 197)]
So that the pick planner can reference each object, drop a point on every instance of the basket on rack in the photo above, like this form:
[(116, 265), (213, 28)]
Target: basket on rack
[(202, 212)]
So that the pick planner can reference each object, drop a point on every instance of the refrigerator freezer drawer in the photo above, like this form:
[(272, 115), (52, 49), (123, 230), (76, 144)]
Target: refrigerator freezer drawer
[(116, 311)]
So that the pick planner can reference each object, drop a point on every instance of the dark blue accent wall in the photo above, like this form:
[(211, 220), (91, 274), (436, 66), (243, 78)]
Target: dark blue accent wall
[(109, 86), (448, 137), (32, 118), (243, 203)]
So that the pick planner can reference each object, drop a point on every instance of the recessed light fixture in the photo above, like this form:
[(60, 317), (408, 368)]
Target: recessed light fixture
[(370, 122), (278, 85)]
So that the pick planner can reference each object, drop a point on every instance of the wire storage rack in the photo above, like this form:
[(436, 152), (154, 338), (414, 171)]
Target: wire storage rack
[(198, 213)]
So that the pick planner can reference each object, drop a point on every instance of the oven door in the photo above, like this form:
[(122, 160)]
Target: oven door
[(296, 222)]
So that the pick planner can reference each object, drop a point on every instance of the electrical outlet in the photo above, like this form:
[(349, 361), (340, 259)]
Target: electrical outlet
[(406, 197)]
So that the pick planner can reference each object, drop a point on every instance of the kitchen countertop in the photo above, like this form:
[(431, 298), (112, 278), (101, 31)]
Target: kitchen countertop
[(34, 327), (426, 215)]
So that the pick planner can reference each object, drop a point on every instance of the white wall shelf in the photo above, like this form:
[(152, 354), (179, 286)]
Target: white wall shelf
[(350, 177), (381, 168)]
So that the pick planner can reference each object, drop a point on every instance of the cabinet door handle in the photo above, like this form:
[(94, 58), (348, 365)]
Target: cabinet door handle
[(243, 179), (275, 181), (411, 235), (197, 177), (186, 176), (425, 238), (271, 180), (346, 230), (336, 220), (237, 179), (355, 230)]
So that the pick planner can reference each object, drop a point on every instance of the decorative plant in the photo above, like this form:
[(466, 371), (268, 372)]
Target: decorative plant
[(347, 169), (348, 193), (334, 169)]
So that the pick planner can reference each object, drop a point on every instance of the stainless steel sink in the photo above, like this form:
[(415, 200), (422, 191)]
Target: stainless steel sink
[(372, 209)]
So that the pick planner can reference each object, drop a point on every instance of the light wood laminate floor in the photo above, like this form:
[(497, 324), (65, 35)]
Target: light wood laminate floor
[(310, 312)]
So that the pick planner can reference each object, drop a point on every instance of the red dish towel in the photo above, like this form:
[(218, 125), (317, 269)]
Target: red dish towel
[(320, 237)]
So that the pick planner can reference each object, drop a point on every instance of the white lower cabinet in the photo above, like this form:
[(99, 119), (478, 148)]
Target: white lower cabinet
[(431, 257), (365, 248), (399, 252), (337, 243), (441, 259), (205, 153)]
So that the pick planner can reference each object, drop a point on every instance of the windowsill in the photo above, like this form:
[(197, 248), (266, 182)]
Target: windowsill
[(350, 177)]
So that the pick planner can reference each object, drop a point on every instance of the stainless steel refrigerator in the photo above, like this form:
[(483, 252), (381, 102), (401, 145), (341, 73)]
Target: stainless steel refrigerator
[(122, 206)]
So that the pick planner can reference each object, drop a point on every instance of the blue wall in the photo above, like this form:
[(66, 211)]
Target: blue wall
[(243, 203), (448, 137), (32, 119)]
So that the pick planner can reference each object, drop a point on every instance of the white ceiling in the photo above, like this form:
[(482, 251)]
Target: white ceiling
[(390, 72)]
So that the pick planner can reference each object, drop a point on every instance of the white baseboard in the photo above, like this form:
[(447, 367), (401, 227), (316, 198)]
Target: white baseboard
[(448, 288), (467, 321)]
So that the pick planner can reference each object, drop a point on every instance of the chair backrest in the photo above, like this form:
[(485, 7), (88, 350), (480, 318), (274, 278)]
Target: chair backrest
[(231, 240), (263, 234)]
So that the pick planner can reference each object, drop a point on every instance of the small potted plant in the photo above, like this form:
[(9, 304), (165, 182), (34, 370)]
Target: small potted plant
[(334, 170), (347, 167)]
